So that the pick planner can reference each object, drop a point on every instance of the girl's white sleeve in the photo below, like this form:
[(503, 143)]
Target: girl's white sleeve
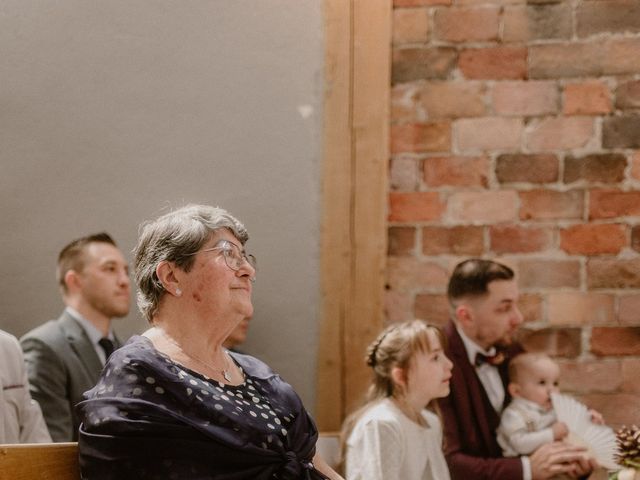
[(376, 452)]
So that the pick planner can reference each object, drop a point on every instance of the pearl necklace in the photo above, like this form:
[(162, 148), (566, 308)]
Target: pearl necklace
[(221, 371)]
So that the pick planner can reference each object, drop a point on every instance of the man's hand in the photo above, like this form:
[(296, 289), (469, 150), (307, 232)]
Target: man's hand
[(557, 457)]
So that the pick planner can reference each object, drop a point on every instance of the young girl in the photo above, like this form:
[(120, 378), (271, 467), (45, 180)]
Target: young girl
[(393, 436)]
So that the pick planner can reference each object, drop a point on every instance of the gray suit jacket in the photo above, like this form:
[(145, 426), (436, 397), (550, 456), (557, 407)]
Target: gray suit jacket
[(61, 364)]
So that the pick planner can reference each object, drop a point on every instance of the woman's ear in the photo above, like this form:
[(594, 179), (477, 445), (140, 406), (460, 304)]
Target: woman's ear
[(399, 376), (165, 271)]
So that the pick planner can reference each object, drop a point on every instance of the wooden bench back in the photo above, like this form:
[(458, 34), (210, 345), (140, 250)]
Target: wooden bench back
[(59, 461), (39, 461)]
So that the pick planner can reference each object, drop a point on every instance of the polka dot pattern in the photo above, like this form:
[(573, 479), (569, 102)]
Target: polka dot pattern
[(145, 387)]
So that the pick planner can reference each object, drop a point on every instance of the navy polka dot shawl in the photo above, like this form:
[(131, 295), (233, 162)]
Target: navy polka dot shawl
[(149, 417)]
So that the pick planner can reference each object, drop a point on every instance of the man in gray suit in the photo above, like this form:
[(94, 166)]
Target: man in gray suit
[(64, 357)]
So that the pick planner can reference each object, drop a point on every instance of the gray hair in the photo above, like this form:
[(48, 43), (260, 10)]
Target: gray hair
[(175, 237)]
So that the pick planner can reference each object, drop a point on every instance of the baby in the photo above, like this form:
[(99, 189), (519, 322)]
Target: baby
[(529, 421)]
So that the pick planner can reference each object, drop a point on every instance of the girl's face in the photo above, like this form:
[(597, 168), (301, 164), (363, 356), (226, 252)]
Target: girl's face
[(428, 374)]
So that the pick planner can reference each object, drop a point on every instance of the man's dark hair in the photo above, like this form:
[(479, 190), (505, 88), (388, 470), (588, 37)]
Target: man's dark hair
[(473, 276), (71, 256)]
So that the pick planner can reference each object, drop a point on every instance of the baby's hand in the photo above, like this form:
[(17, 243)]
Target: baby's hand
[(596, 417), (560, 430)]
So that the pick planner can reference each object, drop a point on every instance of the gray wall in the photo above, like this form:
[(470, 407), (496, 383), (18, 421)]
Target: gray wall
[(113, 111)]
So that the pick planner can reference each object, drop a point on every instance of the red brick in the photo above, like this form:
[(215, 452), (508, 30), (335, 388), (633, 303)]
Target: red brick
[(410, 25), (403, 174), (560, 133), (630, 369), (613, 273), (483, 207), (558, 342), (467, 24), (531, 307), (628, 95), (612, 16), (577, 308), (419, 3), (593, 239), (406, 274), (617, 408), (538, 168), (488, 133), (525, 98), (629, 310), (432, 308), (516, 239), (590, 376), (402, 240), (587, 98), (421, 137), (516, 24), (615, 341), (635, 165), (457, 171), (537, 22), (621, 131), (549, 204), (451, 99), (416, 63), (613, 203), (548, 273), (494, 63), (398, 306), (415, 206), (452, 240), (635, 238), (593, 58), (601, 167)]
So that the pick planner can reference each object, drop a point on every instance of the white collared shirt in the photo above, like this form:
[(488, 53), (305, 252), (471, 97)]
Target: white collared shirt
[(92, 332), (488, 374), (492, 382)]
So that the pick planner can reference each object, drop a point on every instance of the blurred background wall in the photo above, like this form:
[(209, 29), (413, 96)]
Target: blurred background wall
[(113, 112)]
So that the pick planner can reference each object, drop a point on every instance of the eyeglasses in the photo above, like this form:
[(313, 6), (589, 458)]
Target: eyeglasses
[(233, 256)]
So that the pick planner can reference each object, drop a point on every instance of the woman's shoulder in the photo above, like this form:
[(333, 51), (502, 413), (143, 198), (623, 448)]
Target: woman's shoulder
[(136, 352), (383, 412)]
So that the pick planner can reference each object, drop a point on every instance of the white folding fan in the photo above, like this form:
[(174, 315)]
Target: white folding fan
[(599, 440)]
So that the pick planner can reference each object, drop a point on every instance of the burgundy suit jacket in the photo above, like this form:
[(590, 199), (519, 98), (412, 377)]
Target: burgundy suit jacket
[(470, 421)]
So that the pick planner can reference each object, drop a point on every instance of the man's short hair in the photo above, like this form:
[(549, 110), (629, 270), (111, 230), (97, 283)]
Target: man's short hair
[(472, 277), (71, 257)]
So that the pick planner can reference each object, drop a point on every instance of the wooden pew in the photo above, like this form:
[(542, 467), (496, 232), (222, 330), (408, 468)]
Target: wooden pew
[(59, 461), (39, 461)]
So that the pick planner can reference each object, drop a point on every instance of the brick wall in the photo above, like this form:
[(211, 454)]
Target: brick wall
[(515, 134)]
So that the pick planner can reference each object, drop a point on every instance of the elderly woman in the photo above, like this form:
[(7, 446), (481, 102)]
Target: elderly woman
[(174, 403)]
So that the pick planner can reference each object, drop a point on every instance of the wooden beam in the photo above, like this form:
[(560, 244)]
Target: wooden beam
[(356, 113)]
